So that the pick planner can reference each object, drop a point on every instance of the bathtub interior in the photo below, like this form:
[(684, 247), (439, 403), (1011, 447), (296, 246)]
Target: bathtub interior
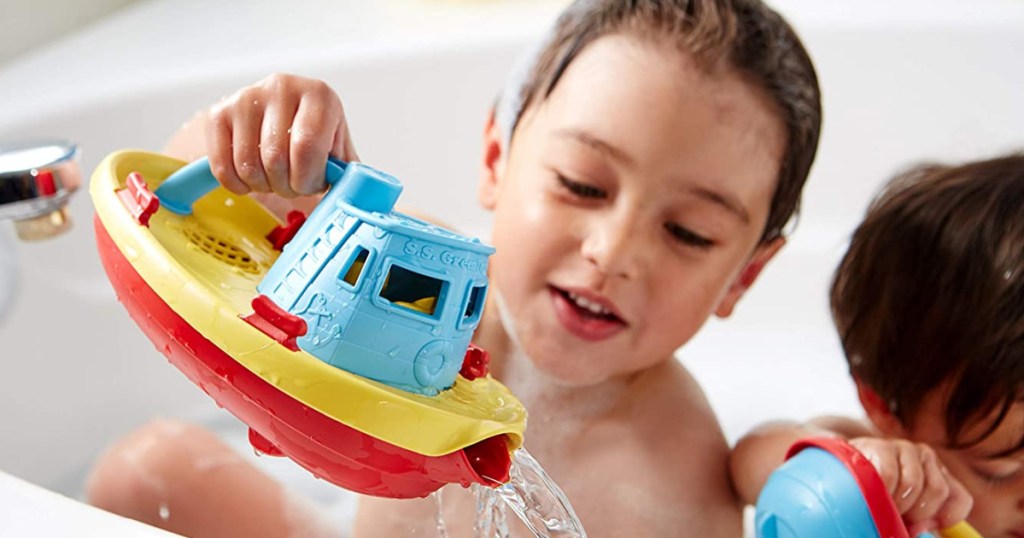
[(78, 373)]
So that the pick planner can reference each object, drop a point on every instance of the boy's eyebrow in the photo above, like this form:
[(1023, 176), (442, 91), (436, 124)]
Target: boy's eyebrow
[(592, 141), (726, 202), (595, 143)]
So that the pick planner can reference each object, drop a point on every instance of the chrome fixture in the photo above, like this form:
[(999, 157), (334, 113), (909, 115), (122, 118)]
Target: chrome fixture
[(36, 181)]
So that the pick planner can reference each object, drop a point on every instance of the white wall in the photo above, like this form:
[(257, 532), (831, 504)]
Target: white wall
[(32, 23)]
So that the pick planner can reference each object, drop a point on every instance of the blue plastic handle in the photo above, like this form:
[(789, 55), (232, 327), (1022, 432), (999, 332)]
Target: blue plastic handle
[(194, 180)]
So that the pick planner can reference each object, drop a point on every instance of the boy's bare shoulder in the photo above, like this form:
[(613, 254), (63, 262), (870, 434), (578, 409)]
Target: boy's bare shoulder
[(682, 427), (666, 463), (670, 404)]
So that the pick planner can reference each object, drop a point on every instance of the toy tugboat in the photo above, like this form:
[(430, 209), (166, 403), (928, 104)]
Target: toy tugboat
[(342, 341)]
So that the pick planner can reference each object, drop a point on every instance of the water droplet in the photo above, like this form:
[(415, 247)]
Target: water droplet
[(165, 512)]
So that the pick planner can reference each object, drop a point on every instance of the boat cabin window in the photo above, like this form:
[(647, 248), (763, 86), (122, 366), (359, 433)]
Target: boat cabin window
[(350, 274), (475, 304), (411, 290)]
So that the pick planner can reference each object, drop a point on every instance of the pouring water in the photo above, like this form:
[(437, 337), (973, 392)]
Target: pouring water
[(532, 496)]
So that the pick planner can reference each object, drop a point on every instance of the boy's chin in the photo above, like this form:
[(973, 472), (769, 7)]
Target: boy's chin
[(570, 371)]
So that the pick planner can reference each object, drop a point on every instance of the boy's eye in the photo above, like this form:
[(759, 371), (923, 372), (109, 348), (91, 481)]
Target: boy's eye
[(998, 473), (688, 237), (582, 190)]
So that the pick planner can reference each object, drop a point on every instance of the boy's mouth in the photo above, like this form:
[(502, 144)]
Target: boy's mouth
[(585, 315)]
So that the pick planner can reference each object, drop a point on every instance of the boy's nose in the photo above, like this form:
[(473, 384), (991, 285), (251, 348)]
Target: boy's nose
[(613, 246)]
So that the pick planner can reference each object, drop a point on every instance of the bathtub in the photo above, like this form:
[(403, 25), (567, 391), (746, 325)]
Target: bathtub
[(922, 81)]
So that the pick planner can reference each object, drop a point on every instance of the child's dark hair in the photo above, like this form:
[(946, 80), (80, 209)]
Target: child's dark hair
[(743, 35), (931, 291)]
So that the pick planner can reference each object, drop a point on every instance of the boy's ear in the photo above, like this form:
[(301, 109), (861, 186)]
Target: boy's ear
[(492, 166), (879, 412), (762, 255)]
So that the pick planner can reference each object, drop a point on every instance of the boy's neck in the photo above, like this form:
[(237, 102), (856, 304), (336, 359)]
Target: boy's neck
[(540, 393)]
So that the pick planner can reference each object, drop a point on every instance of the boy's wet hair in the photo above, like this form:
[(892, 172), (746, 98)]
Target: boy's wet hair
[(931, 291), (743, 35)]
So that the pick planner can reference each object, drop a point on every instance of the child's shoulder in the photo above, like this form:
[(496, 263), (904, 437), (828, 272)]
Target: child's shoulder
[(676, 456), (678, 422), (668, 399)]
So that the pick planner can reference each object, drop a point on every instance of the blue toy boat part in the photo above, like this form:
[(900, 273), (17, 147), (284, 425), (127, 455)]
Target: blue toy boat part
[(383, 295), (827, 489), (813, 495)]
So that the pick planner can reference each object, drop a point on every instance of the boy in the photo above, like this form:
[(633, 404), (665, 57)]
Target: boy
[(929, 304), (652, 156)]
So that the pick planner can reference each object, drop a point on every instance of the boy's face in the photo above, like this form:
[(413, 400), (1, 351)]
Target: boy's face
[(629, 208), (995, 482)]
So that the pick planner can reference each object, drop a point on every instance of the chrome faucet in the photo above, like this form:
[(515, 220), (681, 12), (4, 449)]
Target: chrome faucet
[(36, 181)]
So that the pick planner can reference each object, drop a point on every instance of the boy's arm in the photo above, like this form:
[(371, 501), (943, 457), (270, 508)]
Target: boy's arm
[(762, 450), (189, 142)]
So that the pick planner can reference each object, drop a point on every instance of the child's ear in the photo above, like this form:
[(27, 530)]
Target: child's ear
[(878, 412), (762, 255), (492, 166)]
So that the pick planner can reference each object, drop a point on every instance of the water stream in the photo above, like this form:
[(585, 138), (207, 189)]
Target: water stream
[(532, 496)]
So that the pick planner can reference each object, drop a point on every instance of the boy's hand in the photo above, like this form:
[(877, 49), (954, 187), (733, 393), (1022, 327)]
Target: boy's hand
[(275, 136), (927, 496)]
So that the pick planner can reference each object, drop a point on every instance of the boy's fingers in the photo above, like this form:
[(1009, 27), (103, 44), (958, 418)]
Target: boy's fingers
[(957, 506), (218, 149), (921, 527), (343, 147), (911, 479), (935, 492), (884, 458), (246, 125), (311, 141), (275, 146)]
